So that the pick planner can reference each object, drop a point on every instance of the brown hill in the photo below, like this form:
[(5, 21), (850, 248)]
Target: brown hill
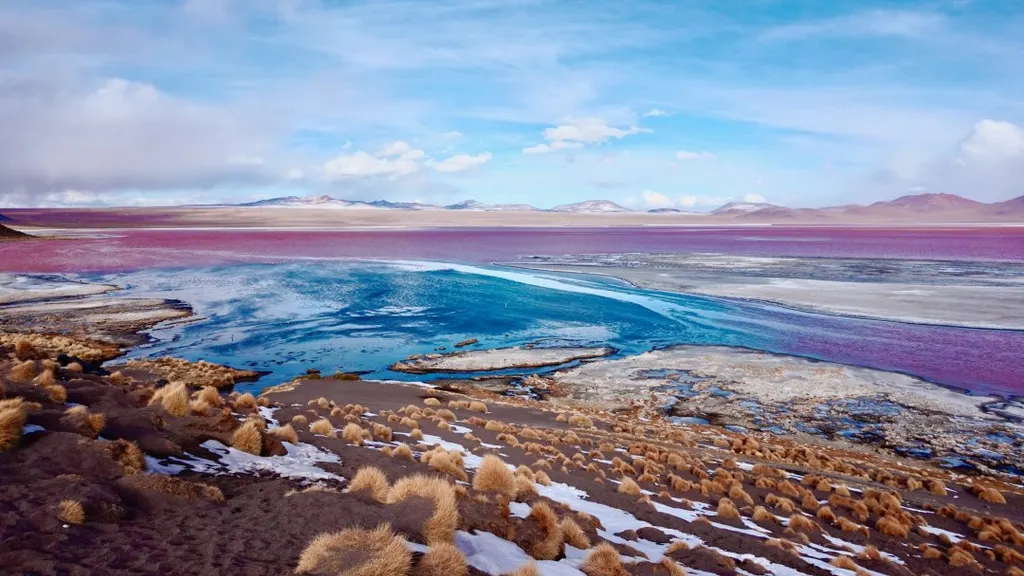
[(10, 234)]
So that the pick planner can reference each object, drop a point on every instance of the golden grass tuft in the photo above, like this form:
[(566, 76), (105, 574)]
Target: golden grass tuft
[(447, 462), (352, 433), (676, 546), (493, 474), (573, 534), (443, 559), (431, 401), (870, 552), (935, 486), (56, 393), (71, 512), (127, 454), (118, 378), (580, 421), (245, 401), (603, 560), (844, 562), (550, 546), (23, 372), (524, 486), (377, 552), (173, 487), (442, 524), (299, 420), (629, 486), (671, 567), (24, 350), (494, 426), (727, 509), (248, 438), (890, 526), (12, 423), (200, 407), (286, 433), (322, 427), (761, 514), (402, 451), (46, 378), (991, 495), (174, 399), (74, 367), (416, 435), (211, 396), (373, 479), (826, 514), (477, 406), (738, 494), (97, 422), (446, 414), (541, 477), (932, 553), (800, 523)]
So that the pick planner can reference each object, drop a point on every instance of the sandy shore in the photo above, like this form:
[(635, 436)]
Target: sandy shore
[(944, 302)]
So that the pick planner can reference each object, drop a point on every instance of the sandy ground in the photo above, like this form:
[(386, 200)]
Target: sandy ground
[(498, 359), (976, 306)]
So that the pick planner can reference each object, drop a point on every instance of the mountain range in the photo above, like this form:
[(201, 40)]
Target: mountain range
[(918, 207)]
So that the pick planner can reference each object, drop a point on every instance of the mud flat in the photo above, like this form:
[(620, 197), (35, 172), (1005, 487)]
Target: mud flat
[(786, 394), (497, 359), (20, 288), (981, 295)]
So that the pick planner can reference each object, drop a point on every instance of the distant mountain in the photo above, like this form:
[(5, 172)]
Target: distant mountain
[(742, 207), (929, 203), (9, 234), (4, 218), (1013, 208), (674, 211), (323, 201), (402, 205), (481, 207), (591, 207)]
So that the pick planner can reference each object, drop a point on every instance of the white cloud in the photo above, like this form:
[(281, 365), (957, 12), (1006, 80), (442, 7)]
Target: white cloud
[(700, 201), (992, 141), (655, 112), (460, 162), (295, 174), (653, 199), (578, 133), (754, 198), (393, 160), (687, 155)]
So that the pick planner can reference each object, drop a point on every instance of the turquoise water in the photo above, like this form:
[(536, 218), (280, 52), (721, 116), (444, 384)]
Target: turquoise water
[(363, 316)]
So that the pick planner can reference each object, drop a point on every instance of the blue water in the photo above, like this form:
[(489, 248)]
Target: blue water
[(363, 316)]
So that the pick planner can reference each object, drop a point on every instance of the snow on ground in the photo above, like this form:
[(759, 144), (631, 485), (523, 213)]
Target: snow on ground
[(299, 463)]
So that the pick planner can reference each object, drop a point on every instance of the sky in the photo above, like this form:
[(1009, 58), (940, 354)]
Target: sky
[(666, 104)]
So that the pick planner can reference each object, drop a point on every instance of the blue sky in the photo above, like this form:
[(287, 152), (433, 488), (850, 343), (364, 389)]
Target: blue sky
[(650, 104)]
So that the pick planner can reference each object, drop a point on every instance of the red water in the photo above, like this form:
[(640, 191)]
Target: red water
[(135, 249)]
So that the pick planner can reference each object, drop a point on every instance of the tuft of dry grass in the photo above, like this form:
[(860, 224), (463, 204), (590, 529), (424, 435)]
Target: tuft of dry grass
[(431, 402), (286, 433), (70, 512), (322, 427), (991, 495), (580, 421), (528, 569), (46, 378), (357, 552), (373, 479), (629, 486), (826, 514), (549, 546), (23, 372), (74, 367), (493, 474), (127, 454), (441, 526), (299, 420), (402, 451), (211, 396), (12, 423), (443, 559), (844, 562), (676, 546), (352, 433), (477, 406), (603, 560), (541, 477), (671, 567), (800, 523), (890, 526), (173, 487), (761, 514), (174, 399), (416, 435), (727, 510), (573, 534), (935, 486), (248, 438), (24, 350), (447, 462)]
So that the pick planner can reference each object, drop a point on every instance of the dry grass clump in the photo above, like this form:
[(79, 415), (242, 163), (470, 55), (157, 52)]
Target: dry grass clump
[(845, 563), (528, 569), (629, 486), (371, 478), (245, 402), (761, 514), (580, 421), (494, 426), (23, 372), (727, 510), (24, 350), (573, 534), (989, 495), (74, 367), (477, 406), (800, 523), (174, 399), (118, 378), (352, 433), (549, 546), (935, 486), (210, 395), (891, 526), (676, 546), (826, 514), (416, 435), (444, 461), (56, 393), (299, 420), (442, 559), (173, 487), (70, 512), (46, 378), (402, 451), (738, 494), (541, 477), (446, 414), (357, 552), (248, 438), (431, 401), (604, 560), (441, 526), (493, 474), (671, 567), (127, 454), (286, 433), (12, 422), (322, 427)]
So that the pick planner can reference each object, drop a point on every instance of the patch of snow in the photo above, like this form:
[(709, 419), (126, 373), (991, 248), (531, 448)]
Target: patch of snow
[(953, 536), (300, 462), (489, 553), (30, 428), (519, 509), (268, 415)]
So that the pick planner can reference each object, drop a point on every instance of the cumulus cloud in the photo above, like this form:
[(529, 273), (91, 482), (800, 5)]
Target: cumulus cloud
[(393, 160), (579, 133), (687, 155), (120, 135), (754, 199), (651, 199), (690, 201), (460, 162), (992, 142)]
